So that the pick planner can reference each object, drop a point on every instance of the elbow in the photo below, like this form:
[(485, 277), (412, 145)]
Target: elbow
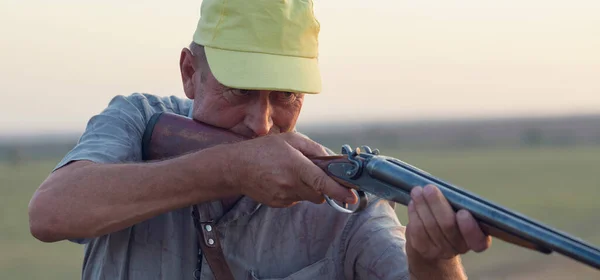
[(40, 226), (44, 233), (44, 224), (52, 215)]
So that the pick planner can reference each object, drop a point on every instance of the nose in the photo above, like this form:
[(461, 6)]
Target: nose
[(258, 116)]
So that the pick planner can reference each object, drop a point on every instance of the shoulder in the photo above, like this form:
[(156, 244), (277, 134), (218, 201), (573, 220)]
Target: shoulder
[(115, 134), (148, 104)]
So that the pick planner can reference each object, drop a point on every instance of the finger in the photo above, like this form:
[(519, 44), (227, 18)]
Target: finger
[(445, 218), (307, 147), (429, 221), (474, 237), (313, 176), (416, 233), (307, 192)]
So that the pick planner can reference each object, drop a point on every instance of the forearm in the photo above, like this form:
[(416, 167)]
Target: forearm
[(89, 200), (421, 269)]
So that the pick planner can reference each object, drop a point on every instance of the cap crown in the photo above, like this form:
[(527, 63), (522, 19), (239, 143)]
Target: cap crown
[(278, 27)]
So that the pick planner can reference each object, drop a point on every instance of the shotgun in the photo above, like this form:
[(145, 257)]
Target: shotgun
[(364, 170)]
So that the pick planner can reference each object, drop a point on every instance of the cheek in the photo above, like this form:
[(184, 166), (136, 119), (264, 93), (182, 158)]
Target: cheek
[(218, 113), (285, 118)]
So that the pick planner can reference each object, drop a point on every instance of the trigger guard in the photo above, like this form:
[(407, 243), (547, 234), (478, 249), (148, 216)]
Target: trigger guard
[(362, 203)]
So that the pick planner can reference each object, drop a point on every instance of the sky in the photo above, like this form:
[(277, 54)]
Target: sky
[(62, 61)]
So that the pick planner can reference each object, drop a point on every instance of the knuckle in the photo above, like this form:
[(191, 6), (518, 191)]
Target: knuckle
[(318, 183), (282, 182), (286, 185)]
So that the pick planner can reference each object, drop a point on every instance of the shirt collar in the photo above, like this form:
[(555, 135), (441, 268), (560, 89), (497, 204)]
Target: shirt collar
[(191, 112)]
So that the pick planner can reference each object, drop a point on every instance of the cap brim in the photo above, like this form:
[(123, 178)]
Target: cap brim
[(259, 71)]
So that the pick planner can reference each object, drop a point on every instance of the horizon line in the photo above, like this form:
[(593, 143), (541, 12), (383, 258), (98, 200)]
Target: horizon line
[(61, 133)]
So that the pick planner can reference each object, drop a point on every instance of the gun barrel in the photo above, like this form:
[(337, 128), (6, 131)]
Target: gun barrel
[(401, 175)]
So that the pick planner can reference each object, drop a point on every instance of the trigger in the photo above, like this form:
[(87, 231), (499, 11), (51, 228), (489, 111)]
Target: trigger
[(362, 203)]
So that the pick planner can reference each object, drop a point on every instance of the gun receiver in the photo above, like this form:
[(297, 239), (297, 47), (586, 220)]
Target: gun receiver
[(168, 135)]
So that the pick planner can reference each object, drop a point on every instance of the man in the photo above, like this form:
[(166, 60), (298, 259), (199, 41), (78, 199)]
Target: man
[(248, 70)]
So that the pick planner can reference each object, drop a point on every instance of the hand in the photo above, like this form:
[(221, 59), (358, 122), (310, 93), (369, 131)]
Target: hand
[(275, 170), (436, 232)]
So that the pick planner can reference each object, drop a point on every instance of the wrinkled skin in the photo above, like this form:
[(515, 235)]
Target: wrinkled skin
[(272, 168), (275, 169)]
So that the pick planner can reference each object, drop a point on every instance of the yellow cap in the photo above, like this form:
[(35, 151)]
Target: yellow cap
[(261, 44)]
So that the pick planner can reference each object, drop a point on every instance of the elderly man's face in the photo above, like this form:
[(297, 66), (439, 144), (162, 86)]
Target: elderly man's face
[(251, 113)]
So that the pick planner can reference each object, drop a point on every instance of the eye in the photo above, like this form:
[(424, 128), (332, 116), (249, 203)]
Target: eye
[(235, 96), (286, 96), (241, 92)]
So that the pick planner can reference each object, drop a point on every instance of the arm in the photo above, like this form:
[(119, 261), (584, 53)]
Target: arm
[(379, 247), (437, 236), (101, 186), (86, 199), (421, 268)]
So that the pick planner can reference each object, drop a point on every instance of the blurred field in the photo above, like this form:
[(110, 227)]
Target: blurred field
[(22, 256), (557, 186)]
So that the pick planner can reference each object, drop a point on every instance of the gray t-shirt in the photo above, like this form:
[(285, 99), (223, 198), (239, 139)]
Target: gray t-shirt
[(306, 241)]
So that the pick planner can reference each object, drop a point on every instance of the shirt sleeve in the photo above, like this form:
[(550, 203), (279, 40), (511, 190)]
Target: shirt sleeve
[(376, 244), (115, 135)]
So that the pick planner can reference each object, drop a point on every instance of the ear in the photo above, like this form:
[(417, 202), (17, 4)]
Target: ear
[(187, 66)]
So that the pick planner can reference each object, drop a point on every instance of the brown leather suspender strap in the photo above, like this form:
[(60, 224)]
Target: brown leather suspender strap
[(210, 244)]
